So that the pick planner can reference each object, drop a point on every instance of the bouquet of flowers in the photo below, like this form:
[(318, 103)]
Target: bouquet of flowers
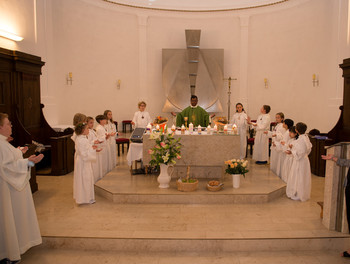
[(160, 120), (167, 149), (236, 166)]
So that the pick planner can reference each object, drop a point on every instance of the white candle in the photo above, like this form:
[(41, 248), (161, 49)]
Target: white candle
[(199, 129), (215, 128), (190, 128), (225, 127), (157, 127), (173, 128)]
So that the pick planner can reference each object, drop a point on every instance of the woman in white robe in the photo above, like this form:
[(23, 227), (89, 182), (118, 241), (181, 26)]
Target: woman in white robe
[(288, 158), (102, 136), (19, 226), (261, 142), (112, 132), (299, 180), (240, 119), (276, 135), (83, 185), (92, 137), (281, 146), (141, 118)]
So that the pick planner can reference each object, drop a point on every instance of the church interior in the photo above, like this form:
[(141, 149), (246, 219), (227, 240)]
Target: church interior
[(85, 56)]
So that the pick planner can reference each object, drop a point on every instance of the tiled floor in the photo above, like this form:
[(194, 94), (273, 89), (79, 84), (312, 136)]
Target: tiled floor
[(282, 218)]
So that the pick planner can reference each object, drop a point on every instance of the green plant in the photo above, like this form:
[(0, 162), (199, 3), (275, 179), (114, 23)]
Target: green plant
[(236, 166), (166, 150)]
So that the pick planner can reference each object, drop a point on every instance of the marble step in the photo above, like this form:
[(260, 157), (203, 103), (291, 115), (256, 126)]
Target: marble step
[(195, 245)]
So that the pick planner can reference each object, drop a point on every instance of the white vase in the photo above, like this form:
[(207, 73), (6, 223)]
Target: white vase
[(164, 177), (236, 180)]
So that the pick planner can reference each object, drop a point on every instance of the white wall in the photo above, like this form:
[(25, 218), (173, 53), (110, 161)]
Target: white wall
[(100, 43)]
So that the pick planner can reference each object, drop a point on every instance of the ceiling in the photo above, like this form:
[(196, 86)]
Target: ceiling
[(196, 5)]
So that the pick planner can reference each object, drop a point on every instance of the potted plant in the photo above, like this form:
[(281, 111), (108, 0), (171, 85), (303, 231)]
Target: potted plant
[(187, 184), (164, 154), (236, 168)]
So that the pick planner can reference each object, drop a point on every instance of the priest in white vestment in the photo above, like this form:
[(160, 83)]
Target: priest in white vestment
[(18, 221)]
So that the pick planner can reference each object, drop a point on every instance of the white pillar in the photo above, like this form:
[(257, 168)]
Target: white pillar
[(143, 74), (243, 61)]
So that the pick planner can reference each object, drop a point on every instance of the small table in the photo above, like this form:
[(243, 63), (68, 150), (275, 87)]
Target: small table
[(135, 153)]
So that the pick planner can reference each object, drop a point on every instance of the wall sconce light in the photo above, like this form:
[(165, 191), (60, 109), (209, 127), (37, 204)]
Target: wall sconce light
[(266, 82), (70, 78), (10, 36), (315, 79), (118, 84)]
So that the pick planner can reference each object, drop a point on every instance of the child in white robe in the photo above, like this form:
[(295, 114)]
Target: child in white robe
[(78, 118), (288, 159), (141, 118), (92, 137), (102, 136), (299, 179), (83, 186), (112, 132), (276, 136), (261, 142), (19, 226), (240, 119), (281, 146)]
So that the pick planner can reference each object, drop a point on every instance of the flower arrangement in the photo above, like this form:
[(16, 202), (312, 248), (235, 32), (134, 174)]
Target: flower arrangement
[(160, 120), (236, 166), (167, 149)]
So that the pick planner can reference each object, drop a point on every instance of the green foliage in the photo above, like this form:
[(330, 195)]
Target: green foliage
[(166, 150)]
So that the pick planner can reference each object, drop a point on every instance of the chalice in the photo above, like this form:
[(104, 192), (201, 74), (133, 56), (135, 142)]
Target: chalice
[(185, 118)]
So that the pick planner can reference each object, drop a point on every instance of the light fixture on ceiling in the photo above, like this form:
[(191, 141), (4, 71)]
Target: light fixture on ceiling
[(9, 35)]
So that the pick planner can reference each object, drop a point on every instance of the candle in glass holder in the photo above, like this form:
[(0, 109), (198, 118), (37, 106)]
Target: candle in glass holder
[(149, 128), (183, 130), (208, 129)]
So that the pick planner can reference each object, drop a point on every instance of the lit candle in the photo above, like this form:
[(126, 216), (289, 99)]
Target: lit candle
[(173, 128), (208, 129), (190, 128), (157, 127), (183, 129)]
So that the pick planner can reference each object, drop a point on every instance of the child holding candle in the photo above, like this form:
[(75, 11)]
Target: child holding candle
[(112, 132), (92, 137), (276, 136), (83, 187), (281, 146), (299, 179), (102, 136), (286, 157), (240, 119), (261, 142)]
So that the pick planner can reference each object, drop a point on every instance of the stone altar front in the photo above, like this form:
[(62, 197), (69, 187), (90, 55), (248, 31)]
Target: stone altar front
[(204, 153)]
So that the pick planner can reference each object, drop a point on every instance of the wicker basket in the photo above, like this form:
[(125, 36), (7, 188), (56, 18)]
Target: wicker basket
[(187, 186), (215, 188)]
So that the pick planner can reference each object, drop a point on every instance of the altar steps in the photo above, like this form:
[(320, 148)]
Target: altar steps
[(258, 186)]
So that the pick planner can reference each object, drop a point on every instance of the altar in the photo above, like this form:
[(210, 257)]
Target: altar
[(205, 153)]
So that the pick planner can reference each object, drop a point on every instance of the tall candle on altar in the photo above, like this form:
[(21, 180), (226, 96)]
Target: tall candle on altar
[(225, 129), (215, 128), (190, 128), (208, 129), (199, 129), (183, 130)]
